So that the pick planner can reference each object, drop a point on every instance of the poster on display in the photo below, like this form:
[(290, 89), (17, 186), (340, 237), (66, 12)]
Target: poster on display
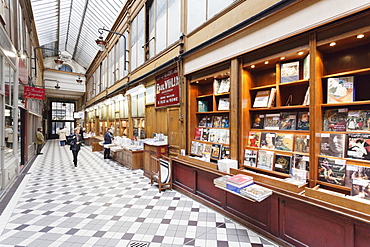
[(34, 93), (167, 89)]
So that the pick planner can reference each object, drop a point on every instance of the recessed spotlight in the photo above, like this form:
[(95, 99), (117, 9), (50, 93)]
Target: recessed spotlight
[(267, 62), (282, 58), (332, 44), (300, 53), (253, 66), (360, 36)]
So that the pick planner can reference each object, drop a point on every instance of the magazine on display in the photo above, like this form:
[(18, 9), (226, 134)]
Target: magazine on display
[(224, 86), (358, 120), (224, 104), (254, 139), (302, 143), (216, 151), (205, 135), (198, 134), (284, 142), (289, 72), (268, 140), (303, 120), (282, 163), (340, 89), (332, 170), (301, 162), (352, 171), (265, 160), (332, 145), (272, 121), (358, 146), (203, 122), (258, 121), (202, 106), (288, 120), (250, 157), (217, 120), (335, 119), (361, 188), (194, 147), (262, 99), (225, 122), (225, 152)]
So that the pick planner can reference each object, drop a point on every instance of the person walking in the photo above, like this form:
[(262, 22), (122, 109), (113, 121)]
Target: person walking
[(75, 144), (108, 137), (63, 136), (39, 140)]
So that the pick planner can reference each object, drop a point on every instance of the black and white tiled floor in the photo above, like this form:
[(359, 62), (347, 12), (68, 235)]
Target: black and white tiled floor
[(102, 203)]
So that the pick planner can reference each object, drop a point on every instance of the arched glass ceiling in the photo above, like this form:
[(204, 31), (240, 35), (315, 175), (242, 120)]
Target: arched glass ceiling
[(72, 25)]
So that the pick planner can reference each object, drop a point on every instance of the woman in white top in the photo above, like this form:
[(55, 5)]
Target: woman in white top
[(63, 136)]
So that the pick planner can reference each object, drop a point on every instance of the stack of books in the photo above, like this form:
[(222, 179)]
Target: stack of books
[(221, 181), (256, 192), (238, 182)]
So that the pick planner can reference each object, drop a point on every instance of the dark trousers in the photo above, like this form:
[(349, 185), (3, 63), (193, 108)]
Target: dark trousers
[(106, 153), (75, 153), (39, 147)]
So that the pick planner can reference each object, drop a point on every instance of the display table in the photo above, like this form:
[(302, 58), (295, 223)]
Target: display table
[(156, 149), (131, 159), (95, 143)]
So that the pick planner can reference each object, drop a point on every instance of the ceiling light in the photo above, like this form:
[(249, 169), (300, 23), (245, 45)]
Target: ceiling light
[(79, 80), (253, 66), (300, 53), (360, 36), (282, 58), (267, 62), (332, 44), (58, 60), (101, 43)]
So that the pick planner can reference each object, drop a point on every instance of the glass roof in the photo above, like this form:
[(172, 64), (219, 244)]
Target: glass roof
[(72, 25)]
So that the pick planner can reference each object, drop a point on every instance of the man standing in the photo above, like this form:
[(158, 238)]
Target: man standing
[(108, 137), (39, 140)]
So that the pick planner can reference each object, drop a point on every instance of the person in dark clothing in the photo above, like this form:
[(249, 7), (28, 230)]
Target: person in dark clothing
[(75, 144), (108, 137)]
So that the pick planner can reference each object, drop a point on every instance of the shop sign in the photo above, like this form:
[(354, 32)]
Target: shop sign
[(168, 89), (22, 72), (34, 93)]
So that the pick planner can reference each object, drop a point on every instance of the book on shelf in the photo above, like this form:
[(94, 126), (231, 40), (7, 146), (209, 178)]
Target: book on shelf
[(289, 72), (205, 135), (271, 101), (212, 135), (261, 99), (224, 104), (256, 192), (268, 140), (340, 89), (198, 133), (258, 121), (250, 157), (351, 172), (222, 136), (225, 152), (240, 179), (272, 121), (302, 143), (207, 149), (202, 106), (283, 163), (216, 85), (225, 122), (254, 139), (332, 170), (284, 142), (216, 151), (299, 175), (306, 67), (335, 119), (221, 181), (332, 145), (288, 120), (209, 122), (216, 121), (301, 162), (360, 188), (303, 120), (358, 146), (358, 120), (201, 147), (224, 85), (193, 149), (306, 99), (203, 121), (265, 159)]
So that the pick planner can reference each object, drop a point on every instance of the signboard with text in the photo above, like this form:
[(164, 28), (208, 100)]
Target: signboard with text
[(167, 89), (34, 93)]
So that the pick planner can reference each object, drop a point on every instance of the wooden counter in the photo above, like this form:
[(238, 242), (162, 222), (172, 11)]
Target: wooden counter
[(129, 158), (155, 150)]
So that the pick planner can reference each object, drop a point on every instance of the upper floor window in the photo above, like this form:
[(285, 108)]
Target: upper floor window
[(137, 40), (66, 68), (199, 11)]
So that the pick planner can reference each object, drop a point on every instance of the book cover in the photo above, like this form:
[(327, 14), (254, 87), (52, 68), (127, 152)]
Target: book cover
[(225, 122), (201, 147), (212, 135), (207, 149), (224, 104), (289, 72), (335, 119), (268, 140), (239, 179), (351, 173), (261, 99), (216, 151), (288, 120), (358, 120), (203, 121), (358, 146), (306, 100), (272, 121), (205, 135), (271, 101), (332, 145), (258, 121), (216, 120), (216, 85), (254, 139), (301, 162), (202, 106), (222, 136), (360, 188), (198, 134), (224, 85), (306, 67), (332, 170), (340, 89), (250, 157), (299, 175), (225, 152), (284, 142), (265, 159), (209, 122), (194, 147), (302, 143), (303, 120), (283, 163)]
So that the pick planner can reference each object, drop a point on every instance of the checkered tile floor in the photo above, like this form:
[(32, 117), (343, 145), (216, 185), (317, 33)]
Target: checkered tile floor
[(102, 203)]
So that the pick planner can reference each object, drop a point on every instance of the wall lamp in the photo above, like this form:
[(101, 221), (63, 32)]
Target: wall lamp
[(102, 43), (79, 80), (57, 87)]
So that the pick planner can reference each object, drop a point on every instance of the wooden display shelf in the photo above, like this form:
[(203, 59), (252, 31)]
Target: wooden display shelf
[(341, 201), (345, 104), (263, 87), (212, 112), (351, 72), (271, 181), (204, 96), (280, 108), (293, 83)]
